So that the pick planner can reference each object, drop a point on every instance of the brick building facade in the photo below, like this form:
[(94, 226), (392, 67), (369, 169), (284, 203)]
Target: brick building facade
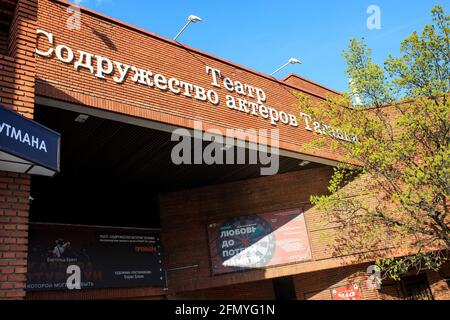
[(53, 87)]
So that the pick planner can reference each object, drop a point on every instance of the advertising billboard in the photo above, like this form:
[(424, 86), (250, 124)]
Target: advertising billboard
[(258, 241)]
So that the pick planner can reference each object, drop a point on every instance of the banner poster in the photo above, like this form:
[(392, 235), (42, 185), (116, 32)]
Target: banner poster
[(96, 257), (258, 241)]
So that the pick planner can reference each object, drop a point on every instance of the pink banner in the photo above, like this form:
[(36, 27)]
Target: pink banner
[(258, 241)]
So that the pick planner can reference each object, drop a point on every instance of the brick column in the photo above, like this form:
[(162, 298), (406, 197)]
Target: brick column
[(14, 205), (21, 72), (17, 70)]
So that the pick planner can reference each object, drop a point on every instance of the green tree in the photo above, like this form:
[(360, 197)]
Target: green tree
[(393, 190)]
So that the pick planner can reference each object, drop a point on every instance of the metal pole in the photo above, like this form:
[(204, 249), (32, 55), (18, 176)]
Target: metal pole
[(284, 65)]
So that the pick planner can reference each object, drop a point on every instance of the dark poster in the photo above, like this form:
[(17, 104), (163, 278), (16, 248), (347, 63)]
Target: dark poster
[(258, 241), (106, 257)]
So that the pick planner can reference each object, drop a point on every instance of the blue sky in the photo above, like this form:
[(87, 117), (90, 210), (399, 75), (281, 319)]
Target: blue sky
[(264, 34)]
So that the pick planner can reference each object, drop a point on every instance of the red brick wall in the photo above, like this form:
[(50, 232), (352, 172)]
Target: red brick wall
[(260, 290), (185, 214), (439, 287), (305, 84), (17, 70), (103, 294), (119, 42), (14, 204), (318, 285), (18, 66)]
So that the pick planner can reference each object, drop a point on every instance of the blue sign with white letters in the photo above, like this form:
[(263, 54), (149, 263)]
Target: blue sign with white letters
[(28, 140)]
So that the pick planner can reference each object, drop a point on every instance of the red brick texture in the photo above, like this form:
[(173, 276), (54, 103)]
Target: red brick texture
[(260, 290), (102, 294), (439, 287), (17, 74), (17, 68), (318, 285), (185, 214), (120, 42), (305, 84)]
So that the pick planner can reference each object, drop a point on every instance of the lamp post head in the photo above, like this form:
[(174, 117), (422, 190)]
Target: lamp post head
[(291, 61), (191, 19), (194, 19)]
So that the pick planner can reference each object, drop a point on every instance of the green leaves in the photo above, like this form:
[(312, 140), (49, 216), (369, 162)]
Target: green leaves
[(394, 268), (423, 70), (368, 78)]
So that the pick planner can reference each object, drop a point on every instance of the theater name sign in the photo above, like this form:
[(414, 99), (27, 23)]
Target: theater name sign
[(102, 67)]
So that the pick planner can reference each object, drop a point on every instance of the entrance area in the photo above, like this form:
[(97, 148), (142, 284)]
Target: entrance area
[(113, 173)]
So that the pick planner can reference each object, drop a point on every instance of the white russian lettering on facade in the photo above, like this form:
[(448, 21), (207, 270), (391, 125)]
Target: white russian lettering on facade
[(64, 53), (251, 100), (84, 61), (50, 39), (324, 129), (123, 71), (104, 67)]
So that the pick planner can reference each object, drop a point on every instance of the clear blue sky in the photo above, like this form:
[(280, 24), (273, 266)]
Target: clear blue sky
[(264, 34)]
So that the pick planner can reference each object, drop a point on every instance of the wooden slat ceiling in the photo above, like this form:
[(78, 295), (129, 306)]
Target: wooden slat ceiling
[(112, 173)]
